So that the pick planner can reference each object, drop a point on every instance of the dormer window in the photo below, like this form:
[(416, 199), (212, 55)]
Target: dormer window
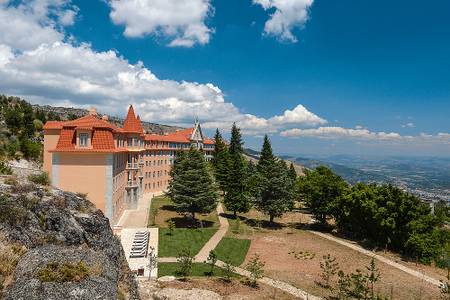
[(83, 139)]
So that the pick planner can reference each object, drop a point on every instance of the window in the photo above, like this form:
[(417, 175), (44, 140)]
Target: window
[(83, 139)]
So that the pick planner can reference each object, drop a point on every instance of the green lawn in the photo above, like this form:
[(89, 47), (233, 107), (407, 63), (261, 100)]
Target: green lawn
[(198, 270), (194, 239), (233, 249)]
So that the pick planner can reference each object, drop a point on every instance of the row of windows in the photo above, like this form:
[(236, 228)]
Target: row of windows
[(155, 185), (155, 174), (159, 162)]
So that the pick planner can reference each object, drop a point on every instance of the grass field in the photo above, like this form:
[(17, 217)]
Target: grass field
[(163, 209), (198, 270), (194, 239), (233, 249)]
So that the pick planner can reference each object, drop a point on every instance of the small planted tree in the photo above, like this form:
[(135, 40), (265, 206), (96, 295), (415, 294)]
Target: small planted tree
[(373, 276), (329, 268), (185, 260), (255, 267), (359, 289), (152, 261), (343, 286), (171, 226), (228, 270), (211, 261)]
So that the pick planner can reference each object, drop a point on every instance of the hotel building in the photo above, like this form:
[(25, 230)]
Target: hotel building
[(114, 165)]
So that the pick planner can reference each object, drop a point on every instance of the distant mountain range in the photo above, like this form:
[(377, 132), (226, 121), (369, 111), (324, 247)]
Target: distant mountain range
[(426, 177)]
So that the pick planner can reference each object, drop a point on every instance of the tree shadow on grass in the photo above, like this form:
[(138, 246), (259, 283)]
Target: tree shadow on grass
[(168, 207), (254, 222), (188, 222)]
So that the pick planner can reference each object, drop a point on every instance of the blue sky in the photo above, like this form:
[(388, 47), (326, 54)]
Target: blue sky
[(372, 77)]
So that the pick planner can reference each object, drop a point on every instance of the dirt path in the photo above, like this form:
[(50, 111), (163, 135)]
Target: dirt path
[(380, 258), (216, 238)]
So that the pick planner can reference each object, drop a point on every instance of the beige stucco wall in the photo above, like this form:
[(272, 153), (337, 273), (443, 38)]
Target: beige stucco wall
[(84, 173), (51, 137)]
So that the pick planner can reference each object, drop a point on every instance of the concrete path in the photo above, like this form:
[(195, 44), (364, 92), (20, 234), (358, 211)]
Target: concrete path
[(216, 238), (380, 258), (132, 218)]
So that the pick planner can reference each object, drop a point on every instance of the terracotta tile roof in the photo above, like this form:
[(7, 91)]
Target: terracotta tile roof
[(53, 125), (66, 139), (131, 123), (89, 121), (103, 140), (208, 142)]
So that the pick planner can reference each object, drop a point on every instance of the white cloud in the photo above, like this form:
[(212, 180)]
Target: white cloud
[(289, 14), (62, 73), (363, 134), (181, 22), (408, 125)]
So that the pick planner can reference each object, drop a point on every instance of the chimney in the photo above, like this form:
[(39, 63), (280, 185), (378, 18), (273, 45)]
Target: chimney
[(105, 118), (92, 111)]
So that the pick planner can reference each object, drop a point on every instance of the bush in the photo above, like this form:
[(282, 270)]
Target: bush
[(10, 212), (5, 169), (41, 178), (64, 272), (255, 267), (185, 260)]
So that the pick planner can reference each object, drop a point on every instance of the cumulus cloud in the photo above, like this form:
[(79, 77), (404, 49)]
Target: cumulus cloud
[(30, 23), (181, 22), (360, 133), (289, 14), (61, 73)]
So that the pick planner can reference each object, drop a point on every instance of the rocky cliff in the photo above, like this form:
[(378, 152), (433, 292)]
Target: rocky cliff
[(57, 245)]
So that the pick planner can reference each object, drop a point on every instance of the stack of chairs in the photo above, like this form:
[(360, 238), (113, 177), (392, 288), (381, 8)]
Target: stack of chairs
[(140, 244)]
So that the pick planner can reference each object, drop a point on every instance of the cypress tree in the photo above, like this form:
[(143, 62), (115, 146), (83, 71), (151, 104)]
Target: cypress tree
[(191, 187)]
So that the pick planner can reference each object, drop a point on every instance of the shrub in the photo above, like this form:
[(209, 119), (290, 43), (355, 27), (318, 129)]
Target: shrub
[(211, 261), (41, 178), (64, 272), (329, 268), (9, 257), (5, 169), (185, 260), (11, 181), (228, 270), (10, 212), (255, 267), (171, 226)]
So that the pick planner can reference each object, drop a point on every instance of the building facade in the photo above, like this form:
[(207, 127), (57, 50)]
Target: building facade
[(114, 166)]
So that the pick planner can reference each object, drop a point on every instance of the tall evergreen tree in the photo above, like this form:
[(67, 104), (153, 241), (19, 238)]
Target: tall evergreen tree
[(236, 141), (191, 187), (266, 158), (276, 190), (237, 198), (219, 146)]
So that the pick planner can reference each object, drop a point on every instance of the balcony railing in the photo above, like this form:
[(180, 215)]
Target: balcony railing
[(132, 184), (132, 166)]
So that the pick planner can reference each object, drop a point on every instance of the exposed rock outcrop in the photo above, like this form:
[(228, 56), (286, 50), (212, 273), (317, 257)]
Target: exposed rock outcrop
[(41, 228)]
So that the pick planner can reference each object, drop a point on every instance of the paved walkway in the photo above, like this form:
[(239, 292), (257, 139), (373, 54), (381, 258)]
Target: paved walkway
[(215, 239), (132, 218), (380, 258)]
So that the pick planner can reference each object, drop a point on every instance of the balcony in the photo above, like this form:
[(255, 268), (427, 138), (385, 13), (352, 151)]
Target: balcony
[(132, 166), (131, 184)]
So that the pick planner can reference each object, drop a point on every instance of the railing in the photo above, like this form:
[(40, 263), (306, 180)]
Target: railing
[(132, 184), (132, 165)]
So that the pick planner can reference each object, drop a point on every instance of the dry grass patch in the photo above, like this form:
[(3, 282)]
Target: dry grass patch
[(276, 249)]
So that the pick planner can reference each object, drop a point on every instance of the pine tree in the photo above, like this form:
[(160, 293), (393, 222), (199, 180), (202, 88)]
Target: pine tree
[(237, 198), (236, 141), (191, 187), (221, 161), (266, 158), (276, 189)]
